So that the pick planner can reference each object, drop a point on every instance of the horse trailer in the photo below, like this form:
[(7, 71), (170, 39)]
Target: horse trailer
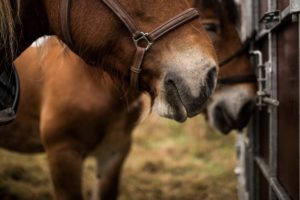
[(268, 152)]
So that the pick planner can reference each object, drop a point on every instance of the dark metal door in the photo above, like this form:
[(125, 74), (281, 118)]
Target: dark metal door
[(271, 155)]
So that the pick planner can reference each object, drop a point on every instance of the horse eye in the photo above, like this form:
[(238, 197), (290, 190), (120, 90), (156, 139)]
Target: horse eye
[(212, 29)]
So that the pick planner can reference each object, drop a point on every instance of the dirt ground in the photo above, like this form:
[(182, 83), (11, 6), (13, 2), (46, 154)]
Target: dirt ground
[(168, 161)]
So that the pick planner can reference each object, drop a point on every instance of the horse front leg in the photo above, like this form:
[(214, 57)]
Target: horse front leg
[(65, 163), (109, 170), (112, 153)]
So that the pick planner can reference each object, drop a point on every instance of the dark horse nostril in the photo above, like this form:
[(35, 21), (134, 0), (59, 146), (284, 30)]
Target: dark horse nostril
[(223, 118), (211, 78), (245, 114)]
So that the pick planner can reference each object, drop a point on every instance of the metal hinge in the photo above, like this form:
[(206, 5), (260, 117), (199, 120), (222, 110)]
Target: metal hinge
[(269, 19), (263, 72)]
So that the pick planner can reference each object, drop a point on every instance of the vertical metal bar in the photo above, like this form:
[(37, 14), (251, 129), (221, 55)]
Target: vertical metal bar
[(255, 14), (272, 5), (254, 137), (270, 66), (273, 135), (299, 86), (273, 132)]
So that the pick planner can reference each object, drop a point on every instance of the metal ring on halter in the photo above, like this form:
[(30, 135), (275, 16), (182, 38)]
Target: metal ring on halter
[(142, 37)]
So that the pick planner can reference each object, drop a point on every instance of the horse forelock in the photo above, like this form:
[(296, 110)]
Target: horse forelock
[(222, 8), (232, 10), (8, 21), (211, 4)]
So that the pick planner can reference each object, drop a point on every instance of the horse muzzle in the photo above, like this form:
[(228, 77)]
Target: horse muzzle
[(225, 120), (186, 100)]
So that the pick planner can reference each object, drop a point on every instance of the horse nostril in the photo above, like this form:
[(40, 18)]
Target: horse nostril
[(247, 108), (169, 81), (223, 118), (211, 78), (245, 114)]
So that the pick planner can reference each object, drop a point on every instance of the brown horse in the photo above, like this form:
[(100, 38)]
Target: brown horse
[(231, 105), (98, 35), (72, 110)]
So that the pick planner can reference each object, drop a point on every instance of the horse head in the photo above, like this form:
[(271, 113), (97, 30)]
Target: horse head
[(179, 70), (231, 105)]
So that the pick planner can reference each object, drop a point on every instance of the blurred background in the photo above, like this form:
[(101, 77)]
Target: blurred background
[(168, 161)]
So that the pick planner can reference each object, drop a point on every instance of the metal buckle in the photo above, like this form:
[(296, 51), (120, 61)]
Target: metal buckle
[(142, 38)]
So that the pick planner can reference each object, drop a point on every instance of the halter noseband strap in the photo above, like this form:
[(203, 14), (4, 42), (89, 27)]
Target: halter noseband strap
[(241, 51), (237, 79), (142, 41)]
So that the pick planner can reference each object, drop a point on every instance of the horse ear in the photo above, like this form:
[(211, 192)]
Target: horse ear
[(232, 11)]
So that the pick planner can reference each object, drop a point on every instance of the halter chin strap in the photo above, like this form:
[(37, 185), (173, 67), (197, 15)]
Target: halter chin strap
[(143, 41)]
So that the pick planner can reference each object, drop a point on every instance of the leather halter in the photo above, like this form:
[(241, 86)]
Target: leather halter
[(9, 94), (237, 79), (65, 6), (143, 41)]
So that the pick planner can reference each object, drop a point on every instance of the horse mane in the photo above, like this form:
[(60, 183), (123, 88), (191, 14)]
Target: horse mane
[(8, 21)]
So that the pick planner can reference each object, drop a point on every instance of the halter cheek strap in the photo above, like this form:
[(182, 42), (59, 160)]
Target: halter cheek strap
[(143, 41), (65, 6)]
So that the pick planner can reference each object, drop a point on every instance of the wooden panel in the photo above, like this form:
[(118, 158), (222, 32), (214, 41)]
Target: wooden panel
[(288, 111), (282, 4)]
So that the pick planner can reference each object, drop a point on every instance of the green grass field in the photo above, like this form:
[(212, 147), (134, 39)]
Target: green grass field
[(168, 161)]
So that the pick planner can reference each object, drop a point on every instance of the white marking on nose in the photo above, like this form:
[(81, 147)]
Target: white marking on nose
[(192, 66)]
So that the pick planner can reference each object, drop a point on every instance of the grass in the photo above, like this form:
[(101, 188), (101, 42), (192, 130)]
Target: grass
[(168, 161)]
